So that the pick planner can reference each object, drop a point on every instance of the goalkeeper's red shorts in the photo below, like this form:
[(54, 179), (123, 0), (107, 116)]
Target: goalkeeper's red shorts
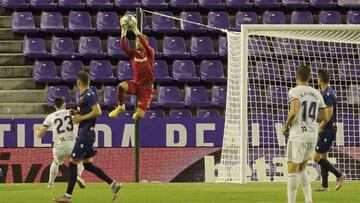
[(144, 94)]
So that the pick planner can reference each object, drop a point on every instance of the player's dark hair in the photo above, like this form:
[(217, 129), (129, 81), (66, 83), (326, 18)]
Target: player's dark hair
[(303, 73), (324, 76), (83, 77), (59, 101)]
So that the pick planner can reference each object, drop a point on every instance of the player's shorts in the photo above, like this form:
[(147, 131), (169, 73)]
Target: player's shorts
[(83, 148), (325, 141), (62, 151), (145, 94), (298, 152)]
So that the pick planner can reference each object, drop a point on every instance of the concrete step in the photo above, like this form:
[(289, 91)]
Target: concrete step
[(22, 115), (11, 46), (7, 34), (14, 59), (24, 108), (18, 84), (5, 21), (16, 71), (23, 96)]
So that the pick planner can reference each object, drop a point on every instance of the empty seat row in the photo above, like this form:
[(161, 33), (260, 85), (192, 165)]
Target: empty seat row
[(167, 96), (101, 71), (90, 46), (162, 4), (108, 22)]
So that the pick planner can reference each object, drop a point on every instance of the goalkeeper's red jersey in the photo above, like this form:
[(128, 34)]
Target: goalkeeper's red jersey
[(142, 61)]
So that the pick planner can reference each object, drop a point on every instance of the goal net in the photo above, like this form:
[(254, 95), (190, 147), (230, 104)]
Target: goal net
[(262, 62)]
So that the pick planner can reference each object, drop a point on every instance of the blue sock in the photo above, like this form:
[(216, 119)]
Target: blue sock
[(72, 178), (98, 172)]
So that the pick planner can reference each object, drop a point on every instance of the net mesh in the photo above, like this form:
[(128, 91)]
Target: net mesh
[(272, 58)]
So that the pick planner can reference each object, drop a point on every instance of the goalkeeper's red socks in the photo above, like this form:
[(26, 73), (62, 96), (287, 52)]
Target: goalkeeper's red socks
[(120, 95)]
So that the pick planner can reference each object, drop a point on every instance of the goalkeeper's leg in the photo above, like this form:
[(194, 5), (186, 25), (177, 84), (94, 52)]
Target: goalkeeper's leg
[(122, 88)]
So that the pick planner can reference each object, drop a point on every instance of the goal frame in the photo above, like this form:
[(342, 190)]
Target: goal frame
[(246, 31)]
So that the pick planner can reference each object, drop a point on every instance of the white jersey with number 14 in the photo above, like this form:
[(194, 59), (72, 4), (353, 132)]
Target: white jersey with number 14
[(304, 128)]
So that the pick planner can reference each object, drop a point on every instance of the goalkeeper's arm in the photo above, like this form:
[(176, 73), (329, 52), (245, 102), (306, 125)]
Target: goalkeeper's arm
[(123, 44), (142, 40)]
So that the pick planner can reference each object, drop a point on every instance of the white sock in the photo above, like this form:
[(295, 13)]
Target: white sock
[(306, 186), (54, 168), (292, 186), (80, 169)]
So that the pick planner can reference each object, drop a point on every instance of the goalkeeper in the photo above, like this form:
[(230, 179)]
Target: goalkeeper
[(142, 61)]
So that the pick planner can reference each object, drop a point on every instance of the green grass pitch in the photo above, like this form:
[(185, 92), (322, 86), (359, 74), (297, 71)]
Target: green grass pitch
[(176, 193)]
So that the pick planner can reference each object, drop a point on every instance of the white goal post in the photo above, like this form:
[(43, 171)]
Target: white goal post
[(262, 61)]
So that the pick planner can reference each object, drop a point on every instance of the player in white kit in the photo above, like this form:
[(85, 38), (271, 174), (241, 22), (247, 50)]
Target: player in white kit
[(305, 105), (63, 139)]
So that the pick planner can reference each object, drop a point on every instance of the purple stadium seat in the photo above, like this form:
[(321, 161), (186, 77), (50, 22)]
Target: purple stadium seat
[(211, 4), (353, 94), (154, 114), (238, 4), (169, 96), (90, 47), (59, 91), (174, 47), (184, 71), (80, 22), (268, 71), (73, 4), (196, 96), (353, 17), (254, 95), (161, 71), (23, 22), (276, 95), (154, 4), (43, 4), (290, 67), (323, 3), (180, 113), (329, 17), (218, 95), (127, 4), (259, 46), (193, 17), (284, 46), (210, 113), (219, 20), (185, 4), (110, 98), (62, 47), (14, 4), (126, 115), (212, 71), (153, 44), (273, 17), (245, 18), (313, 48), (349, 69), (70, 69), (113, 48), (45, 72), (302, 17), (124, 71), (107, 22), (222, 46), (34, 48), (267, 3), (163, 24), (294, 3), (202, 47), (99, 4), (101, 71), (52, 22)]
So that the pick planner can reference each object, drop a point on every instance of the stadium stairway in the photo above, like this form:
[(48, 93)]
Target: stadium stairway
[(20, 96)]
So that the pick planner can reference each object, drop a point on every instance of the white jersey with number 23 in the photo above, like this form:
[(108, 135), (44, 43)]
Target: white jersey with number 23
[(62, 126)]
